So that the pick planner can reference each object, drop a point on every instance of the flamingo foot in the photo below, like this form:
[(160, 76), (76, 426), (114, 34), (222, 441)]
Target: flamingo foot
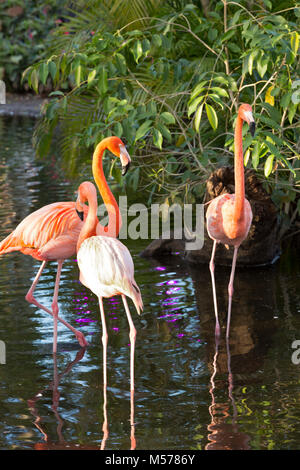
[(81, 339)]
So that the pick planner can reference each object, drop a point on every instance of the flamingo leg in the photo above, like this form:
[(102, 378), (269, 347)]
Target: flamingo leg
[(132, 426), (212, 272), (230, 289), (31, 299), (104, 341), (55, 305), (105, 422), (132, 336)]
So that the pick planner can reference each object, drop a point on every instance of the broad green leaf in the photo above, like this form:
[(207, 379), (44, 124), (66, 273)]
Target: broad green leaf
[(194, 104), (262, 65), (221, 79), (273, 149), (296, 93), (295, 42), (91, 76), (212, 34), (26, 72), (268, 165), (43, 72), (228, 35), (52, 69), (165, 131), (167, 117), (216, 99), (121, 63), (246, 156), (250, 63), (220, 91), (102, 83), (77, 74), (212, 116), (198, 89), (56, 93), (137, 50), (156, 40), (63, 63), (292, 112), (255, 156), (143, 129), (285, 100), (146, 46), (34, 80), (235, 18), (198, 116), (157, 138)]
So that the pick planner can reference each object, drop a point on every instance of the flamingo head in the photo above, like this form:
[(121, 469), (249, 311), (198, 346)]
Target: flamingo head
[(86, 193), (245, 112), (117, 147)]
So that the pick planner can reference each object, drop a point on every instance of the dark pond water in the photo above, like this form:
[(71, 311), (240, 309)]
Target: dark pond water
[(190, 393)]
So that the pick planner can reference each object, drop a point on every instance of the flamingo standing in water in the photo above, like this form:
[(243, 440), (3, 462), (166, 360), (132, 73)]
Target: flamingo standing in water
[(51, 233), (229, 216), (107, 269)]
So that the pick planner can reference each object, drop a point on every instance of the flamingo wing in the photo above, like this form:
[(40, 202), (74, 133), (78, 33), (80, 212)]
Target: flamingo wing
[(44, 226), (107, 269)]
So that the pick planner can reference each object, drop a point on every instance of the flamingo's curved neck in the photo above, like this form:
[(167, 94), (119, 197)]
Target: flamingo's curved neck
[(239, 178), (114, 215), (89, 227)]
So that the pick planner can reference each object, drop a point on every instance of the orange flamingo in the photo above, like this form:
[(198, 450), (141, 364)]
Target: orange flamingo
[(51, 233), (229, 216), (107, 269)]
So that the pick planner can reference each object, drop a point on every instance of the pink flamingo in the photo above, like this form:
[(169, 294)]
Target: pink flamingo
[(229, 216), (107, 269), (51, 233)]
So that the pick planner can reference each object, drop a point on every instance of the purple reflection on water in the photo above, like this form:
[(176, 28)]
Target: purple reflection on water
[(171, 282), (85, 320), (172, 290), (172, 301), (160, 268)]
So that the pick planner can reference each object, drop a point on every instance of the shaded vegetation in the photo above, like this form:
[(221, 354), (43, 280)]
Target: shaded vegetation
[(24, 31), (168, 77)]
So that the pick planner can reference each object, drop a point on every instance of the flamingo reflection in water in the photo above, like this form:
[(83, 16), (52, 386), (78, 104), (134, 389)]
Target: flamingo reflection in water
[(61, 443), (224, 435)]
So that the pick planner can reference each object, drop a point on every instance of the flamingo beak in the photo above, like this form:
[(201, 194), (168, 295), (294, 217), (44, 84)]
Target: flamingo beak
[(125, 159), (80, 214), (252, 128), (250, 119)]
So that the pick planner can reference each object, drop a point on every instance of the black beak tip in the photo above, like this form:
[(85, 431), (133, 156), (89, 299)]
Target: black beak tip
[(252, 128), (125, 168), (80, 214)]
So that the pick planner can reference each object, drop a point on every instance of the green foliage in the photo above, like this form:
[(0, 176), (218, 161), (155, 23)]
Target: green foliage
[(169, 80), (24, 28)]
